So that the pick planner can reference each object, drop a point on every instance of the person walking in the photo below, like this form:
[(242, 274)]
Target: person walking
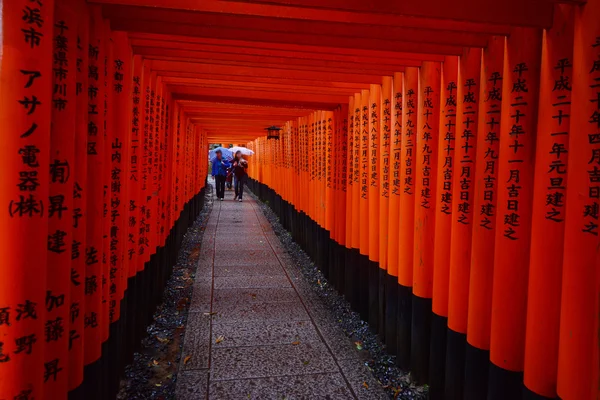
[(219, 173), (239, 175)]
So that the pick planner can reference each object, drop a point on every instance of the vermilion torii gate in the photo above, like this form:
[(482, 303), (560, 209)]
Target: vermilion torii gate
[(440, 161)]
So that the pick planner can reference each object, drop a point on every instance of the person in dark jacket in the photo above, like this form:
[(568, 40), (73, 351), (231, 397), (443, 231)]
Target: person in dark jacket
[(239, 175), (219, 173)]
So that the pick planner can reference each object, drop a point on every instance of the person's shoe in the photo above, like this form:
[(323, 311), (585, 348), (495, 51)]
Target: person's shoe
[(222, 199), (240, 200)]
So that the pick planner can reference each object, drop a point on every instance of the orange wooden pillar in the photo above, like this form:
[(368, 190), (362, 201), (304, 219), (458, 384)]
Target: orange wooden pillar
[(352, 265), (80, 218), (424, 227), (549, 199), (443, 222), (386, 124), (94, 316), (120, 84), (374, 154), (25, 116), (363, 205), (515, 193), (393, 214), (463, 214), (107, 120), (60, 206), (350, 205), (330, 194), (578, 338), (411, 98), (343, 137), (484, 224)]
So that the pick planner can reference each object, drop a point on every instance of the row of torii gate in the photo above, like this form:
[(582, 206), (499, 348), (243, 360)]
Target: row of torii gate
[(438, 160)]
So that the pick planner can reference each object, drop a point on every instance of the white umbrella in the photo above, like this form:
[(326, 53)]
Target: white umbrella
[(245, 151)]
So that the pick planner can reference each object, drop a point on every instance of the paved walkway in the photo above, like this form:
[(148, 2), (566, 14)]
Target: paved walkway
[(255, 328)]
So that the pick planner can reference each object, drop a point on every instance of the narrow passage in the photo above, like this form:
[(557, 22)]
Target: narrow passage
[(255, 329)]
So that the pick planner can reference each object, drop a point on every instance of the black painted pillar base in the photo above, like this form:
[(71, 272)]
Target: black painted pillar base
[(504, 384), (420, 339), (391, 313), (363, 287), (404, 327), (381, 304), (341, 269), (530, 395), (437, 357), (352, 278), (373, 320), (455, 364)]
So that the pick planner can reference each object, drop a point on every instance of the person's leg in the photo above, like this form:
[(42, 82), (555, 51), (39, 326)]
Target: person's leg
[(220, 186), (223, 178), (241, 182), (236, 181)]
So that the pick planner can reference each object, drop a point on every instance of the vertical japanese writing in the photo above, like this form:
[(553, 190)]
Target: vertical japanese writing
[(364, 151), (447, 151), (426, 150), (518, 104), (591, 206), (492, 142), (467, 149), (409, 133)]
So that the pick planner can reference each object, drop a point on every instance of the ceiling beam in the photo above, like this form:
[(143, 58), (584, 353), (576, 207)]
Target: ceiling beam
[(374, 12), (163, 68), (135, 24)]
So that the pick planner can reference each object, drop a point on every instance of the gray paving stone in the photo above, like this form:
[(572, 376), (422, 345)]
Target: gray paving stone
[(246, 296), (314, 386), (196, 342), (201, 296), (248, 270), (192, 385), (261, 333), (285, 311), (258, 281), (264, 361)]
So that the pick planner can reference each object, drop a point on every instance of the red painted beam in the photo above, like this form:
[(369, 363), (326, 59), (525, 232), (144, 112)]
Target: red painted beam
[(185, 78), (533, 13), (391, 59), (454, 16), (261, 60), (225, 44), (164, 67), (180, 91), (118, 22), (307, 105), (349, 68), (294, 27), (273, 88)]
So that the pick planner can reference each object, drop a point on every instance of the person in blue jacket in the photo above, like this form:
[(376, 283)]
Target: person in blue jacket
[(219, 173)]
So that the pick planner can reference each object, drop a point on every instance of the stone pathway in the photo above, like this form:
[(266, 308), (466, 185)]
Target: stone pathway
[(255, 328)]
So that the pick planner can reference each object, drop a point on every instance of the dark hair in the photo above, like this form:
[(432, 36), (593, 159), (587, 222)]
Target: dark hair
[(218, 152)]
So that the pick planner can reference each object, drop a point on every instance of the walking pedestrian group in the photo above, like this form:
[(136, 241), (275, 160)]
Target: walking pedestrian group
[(222, 170)]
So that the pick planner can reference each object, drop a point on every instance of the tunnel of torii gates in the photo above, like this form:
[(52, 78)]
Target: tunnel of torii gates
[(439, 160)]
